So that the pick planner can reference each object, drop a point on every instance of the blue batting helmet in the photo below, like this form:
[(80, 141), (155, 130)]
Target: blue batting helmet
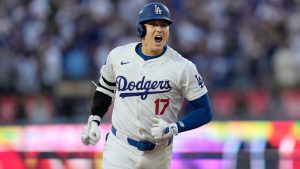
[(152, 11)]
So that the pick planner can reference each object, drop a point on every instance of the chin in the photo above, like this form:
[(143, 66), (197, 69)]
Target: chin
[(159, 46)]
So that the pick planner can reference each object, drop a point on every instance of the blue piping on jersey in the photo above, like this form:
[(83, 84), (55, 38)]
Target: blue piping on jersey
[(199, 117), (138, 50)]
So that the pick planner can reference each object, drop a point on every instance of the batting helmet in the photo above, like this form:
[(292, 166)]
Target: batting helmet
[(152, 11)]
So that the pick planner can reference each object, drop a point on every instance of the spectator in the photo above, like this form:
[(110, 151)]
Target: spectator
[(238, 44)]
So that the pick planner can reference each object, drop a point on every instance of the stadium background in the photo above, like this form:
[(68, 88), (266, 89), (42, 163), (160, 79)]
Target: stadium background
[(248, 53)]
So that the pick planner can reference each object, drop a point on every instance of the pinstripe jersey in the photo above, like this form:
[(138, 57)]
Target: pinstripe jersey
[(143, 89)]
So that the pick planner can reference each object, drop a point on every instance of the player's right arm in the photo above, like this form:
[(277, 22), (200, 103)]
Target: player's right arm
[(101, 101)]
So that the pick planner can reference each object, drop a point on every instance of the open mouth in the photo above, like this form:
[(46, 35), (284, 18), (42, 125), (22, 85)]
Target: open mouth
[(158, 38)]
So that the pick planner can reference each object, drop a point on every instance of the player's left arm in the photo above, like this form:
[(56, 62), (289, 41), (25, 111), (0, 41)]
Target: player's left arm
[(193, 88), (197, 118)]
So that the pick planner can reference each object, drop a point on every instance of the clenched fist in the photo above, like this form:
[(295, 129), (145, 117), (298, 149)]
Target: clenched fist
[(163, 130), (91, 132)]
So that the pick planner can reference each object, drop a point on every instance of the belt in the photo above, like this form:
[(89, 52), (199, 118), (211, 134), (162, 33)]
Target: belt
[(140, 145)]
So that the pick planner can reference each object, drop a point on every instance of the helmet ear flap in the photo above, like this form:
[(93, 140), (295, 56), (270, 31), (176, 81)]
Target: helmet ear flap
[(141, 30)]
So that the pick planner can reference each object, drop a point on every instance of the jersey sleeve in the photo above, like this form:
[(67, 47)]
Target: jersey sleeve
[(107, 82), (192, 84)]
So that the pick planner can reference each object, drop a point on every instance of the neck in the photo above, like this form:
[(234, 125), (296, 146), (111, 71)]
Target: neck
[(146, 50)]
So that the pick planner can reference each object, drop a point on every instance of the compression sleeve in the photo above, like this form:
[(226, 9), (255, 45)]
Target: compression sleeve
[(100, 105), (199, 117), (102, 98)]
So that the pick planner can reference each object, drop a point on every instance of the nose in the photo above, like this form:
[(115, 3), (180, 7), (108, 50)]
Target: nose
[(158, 28)]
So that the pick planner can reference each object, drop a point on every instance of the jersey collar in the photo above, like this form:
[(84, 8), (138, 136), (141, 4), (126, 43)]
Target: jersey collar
[(138, 50)]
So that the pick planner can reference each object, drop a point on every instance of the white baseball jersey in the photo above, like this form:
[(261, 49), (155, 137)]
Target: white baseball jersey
[(148, 89)]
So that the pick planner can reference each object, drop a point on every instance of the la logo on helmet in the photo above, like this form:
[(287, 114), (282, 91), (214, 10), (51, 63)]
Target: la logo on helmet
[(157, 10)]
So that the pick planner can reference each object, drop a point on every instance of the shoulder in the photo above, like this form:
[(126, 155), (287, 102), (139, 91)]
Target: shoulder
[(121, 52), (178, 58), (123, 49)]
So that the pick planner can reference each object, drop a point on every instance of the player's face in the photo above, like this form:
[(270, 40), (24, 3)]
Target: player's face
[(157, 34)]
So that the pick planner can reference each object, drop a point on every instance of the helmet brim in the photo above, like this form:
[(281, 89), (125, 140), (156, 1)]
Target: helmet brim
[(156, 19)]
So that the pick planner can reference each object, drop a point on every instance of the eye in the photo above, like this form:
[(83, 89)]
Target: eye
[(151, 23), (164, 24)]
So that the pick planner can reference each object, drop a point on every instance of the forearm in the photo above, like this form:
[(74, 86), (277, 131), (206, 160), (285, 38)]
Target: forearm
[(195, 119), (102, 98), (100, 105)]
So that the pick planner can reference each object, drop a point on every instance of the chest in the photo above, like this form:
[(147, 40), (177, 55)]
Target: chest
[(156, 71)]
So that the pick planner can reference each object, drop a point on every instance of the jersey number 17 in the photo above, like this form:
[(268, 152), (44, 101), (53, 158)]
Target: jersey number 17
[(164, 103)]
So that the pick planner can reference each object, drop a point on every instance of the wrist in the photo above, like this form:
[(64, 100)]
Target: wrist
[(174, 128), (94, 124), (96, 119)]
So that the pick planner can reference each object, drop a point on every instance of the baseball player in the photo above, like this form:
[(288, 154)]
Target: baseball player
[(147, 81)]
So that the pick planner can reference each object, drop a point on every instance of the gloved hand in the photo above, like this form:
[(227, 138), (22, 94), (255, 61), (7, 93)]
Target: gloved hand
[(91, 132), (163, 130)]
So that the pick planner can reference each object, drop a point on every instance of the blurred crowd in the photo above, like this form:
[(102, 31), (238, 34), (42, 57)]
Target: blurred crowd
[(248, 53)]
